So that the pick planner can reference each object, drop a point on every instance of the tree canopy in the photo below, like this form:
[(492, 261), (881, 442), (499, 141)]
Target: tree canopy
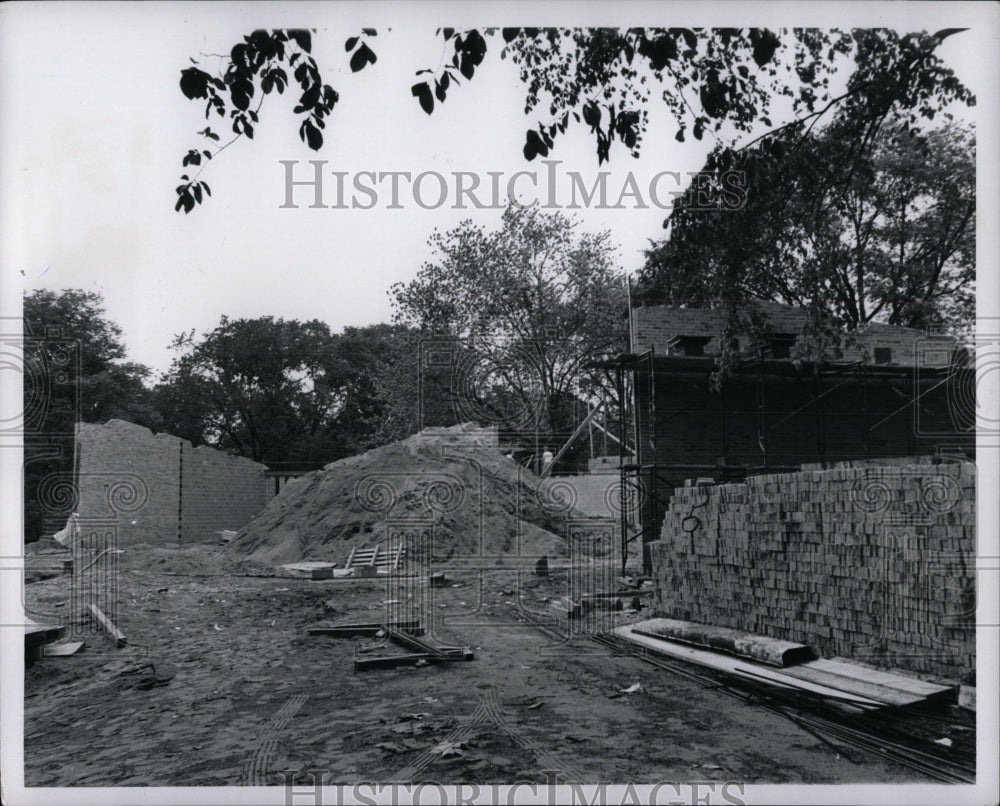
[(529, 306), (885, 233), (77, 358), (719, 81), (74, 371), (282, 392)]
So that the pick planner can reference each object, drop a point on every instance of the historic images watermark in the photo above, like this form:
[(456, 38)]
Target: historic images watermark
[(550, 188), (552, 791)]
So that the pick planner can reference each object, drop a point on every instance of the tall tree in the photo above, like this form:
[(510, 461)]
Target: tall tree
[(96, 378), (256, 387), (529, 306), (720, 81), (74, 371), (884, 233), (285, 392)]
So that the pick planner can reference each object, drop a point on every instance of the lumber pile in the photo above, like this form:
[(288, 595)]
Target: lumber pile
[(875, 563), (838, 679)]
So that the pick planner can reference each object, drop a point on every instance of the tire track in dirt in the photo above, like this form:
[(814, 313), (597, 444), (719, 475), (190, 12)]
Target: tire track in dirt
[(255, 770), (489, 713)]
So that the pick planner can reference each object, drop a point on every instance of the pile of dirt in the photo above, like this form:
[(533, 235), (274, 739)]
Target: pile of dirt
[(480, 503)]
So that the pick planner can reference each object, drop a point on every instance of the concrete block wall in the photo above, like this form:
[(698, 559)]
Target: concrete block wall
[(871, 563), (597, 495), (219, 491), (161, 488), (123, 469), (604, 464)]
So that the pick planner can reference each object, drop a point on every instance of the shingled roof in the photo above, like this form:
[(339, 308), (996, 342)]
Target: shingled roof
[(670, 330)]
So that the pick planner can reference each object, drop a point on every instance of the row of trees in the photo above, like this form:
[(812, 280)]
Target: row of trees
[(517, 313), (879, 228), (877, 231)]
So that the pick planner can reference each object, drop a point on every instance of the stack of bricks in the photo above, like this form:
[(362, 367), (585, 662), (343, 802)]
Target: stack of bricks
[(871, 563)]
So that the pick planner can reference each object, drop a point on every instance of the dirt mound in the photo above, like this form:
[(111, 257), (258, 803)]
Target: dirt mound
[(479, 502)]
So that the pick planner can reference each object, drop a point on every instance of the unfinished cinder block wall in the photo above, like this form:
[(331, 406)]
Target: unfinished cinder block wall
[(871, 563), (161, 488), (219, 491)]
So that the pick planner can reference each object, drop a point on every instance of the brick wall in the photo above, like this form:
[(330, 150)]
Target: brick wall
[(871, 563), (161, 488)]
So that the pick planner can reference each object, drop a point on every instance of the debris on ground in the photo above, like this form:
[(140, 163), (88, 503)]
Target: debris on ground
[(107, 625), (62, 650)]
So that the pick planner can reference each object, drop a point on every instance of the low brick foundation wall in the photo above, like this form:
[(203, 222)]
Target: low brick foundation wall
[(874, 563)]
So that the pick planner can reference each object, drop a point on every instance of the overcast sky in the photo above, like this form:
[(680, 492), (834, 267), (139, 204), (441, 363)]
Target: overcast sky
[(95, 127)]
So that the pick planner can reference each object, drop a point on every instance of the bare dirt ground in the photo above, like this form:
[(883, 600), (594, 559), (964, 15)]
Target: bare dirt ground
[(253, 695)]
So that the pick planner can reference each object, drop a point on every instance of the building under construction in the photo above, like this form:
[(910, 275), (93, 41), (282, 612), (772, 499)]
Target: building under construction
[(891, 392)]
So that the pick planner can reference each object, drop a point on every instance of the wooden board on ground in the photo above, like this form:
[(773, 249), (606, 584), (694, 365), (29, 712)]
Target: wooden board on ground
[(844, 668), (735, 666), (368, 630), (62, 650), (440, 651), (310, 570), (107, 624), (391, 661), (771, 651), (888, 694)]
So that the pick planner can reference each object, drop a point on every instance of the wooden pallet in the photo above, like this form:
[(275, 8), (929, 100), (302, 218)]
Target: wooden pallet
[(381, 558)]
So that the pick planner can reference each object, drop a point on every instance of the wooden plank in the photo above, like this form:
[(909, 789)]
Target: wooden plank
[(350, 557), (735, 666), (309, 570), (107, 624), (391, 661), (885, 694), (35, 634), (771, 651), (370, 629), (425, 647), (62, 650), (847, 668)]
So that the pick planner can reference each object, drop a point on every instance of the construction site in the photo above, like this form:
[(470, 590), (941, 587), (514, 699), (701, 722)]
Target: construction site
[(436, 610)]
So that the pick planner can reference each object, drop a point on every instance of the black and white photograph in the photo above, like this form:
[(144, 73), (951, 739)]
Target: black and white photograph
[(405, 404)]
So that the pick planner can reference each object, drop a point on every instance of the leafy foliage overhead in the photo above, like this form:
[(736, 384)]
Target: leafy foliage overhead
[(720, 81)]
